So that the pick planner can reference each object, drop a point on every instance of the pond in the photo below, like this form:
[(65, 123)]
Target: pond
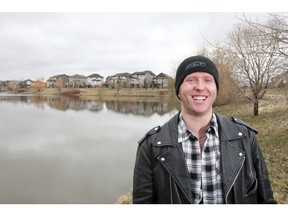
[(58, 150)]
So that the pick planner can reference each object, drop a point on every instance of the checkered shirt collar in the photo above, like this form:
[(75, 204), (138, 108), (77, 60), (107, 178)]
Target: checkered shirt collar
[(184, 133)]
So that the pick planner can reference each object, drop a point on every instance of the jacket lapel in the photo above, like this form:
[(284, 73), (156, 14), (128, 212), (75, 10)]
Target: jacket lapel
[(172, 157), (232, 155)]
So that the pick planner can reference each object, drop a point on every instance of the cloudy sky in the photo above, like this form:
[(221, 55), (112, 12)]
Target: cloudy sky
[(36, 45), (39, 39)]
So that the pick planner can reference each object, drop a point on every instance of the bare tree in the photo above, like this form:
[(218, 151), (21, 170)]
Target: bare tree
[(277, 29), (39, 84), (221, 58), (275, 26), (59, 84), (255, 61)]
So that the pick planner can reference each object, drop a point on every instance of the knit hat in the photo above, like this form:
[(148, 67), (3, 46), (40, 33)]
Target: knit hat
[(195, 64)]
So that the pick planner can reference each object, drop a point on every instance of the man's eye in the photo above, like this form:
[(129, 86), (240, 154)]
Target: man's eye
[(190, 80)]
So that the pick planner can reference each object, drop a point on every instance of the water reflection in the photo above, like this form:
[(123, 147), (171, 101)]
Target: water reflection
[(52, 156), (133, 106)]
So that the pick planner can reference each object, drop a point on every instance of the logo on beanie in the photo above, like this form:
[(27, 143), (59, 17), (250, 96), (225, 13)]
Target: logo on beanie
[(195, 64)]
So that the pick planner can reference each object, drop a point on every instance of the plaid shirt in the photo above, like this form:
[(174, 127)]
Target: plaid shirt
[(204, 168)]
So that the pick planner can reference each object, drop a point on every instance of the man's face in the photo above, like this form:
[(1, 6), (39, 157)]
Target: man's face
[(198, 93)]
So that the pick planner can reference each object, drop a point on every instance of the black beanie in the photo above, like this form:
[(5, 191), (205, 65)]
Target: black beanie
[(195, 64)]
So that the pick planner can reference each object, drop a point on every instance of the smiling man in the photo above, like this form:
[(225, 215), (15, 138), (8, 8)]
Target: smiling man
[(199, 156)]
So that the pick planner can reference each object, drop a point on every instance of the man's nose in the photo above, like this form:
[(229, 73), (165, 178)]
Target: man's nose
[(199, 85)]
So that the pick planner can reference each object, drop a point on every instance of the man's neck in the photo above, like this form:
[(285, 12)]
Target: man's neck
[(196, 124)]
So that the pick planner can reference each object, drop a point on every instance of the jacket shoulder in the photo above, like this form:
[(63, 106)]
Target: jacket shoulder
[(242, 123), (151, 132)]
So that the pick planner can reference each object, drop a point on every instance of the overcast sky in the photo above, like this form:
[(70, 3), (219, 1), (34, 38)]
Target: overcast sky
[(40, 45)]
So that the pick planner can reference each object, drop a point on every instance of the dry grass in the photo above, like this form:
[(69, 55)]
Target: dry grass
[(90, 93), (272, 125), (125, 199)]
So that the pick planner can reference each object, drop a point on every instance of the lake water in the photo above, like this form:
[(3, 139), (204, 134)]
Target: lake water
[(56, 149)]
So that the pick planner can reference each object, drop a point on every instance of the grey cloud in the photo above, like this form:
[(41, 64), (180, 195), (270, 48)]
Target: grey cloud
[(34, 45)]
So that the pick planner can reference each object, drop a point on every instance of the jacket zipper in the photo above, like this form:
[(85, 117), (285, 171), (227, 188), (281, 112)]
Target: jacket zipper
[(170, 185), (171, 177), (234, 180)]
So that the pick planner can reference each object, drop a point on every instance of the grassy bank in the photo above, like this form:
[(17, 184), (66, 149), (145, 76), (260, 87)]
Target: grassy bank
[(272, 125), (108, 92)]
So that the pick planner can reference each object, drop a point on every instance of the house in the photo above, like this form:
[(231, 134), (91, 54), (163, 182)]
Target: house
[(142, 79), (28, 83), (119, 79), (62, 79), (136, 79), (13, 84), (94, 80), (161, 80), (4, 84), (77, 81)]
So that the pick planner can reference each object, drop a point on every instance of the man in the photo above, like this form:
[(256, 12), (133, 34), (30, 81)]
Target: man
[(199, 156)]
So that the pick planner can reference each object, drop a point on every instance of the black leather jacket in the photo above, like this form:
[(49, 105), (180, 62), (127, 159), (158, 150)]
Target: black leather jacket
[(161, 175)]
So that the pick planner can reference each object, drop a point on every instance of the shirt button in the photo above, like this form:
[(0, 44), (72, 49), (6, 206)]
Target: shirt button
[(162, 159), (156, 128), (159, 142), (240, 134), (240, 154)]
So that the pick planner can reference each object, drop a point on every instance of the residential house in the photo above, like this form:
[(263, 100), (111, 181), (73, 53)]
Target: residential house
[(62, 79), (161, 80), (94, 80), (3, 84), (134, 82), (28, 83), (142, 79), (119, 79), (77, 81), (13, 84)]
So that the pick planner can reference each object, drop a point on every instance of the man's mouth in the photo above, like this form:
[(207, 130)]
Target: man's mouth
[(199, 98)]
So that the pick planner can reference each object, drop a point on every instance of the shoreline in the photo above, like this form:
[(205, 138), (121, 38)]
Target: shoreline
[(105, 93), (123, 92)]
